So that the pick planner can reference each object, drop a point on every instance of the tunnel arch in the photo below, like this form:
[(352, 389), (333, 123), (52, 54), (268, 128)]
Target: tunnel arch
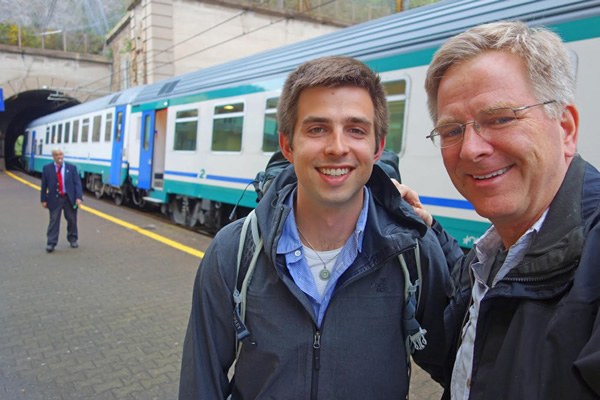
[(20, 110)]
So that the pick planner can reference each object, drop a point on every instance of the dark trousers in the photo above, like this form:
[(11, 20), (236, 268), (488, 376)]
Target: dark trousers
[(54, 225)]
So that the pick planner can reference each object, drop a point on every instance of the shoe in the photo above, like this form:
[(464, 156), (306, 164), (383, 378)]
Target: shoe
[(49, 248), (74, 245)]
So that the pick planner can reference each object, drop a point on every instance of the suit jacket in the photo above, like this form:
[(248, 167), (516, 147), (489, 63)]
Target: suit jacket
[(71, 182)]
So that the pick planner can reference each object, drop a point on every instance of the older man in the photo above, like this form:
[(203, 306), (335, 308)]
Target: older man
[(61, 192), (524, 314)]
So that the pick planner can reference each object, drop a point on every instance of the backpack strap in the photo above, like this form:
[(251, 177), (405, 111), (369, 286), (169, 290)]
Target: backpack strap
[(413, 333), (249, 249)]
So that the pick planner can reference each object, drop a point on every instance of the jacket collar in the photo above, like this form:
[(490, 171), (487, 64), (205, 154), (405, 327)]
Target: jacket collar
[(400, 227), (555, 251)]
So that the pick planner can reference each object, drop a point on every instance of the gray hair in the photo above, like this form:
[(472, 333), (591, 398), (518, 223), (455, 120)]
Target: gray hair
[(546, 58)]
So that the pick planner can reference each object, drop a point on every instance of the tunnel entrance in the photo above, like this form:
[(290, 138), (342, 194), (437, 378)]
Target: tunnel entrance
[(20, 110)]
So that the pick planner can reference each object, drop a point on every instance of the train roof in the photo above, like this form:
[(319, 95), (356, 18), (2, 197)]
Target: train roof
[(112, 100), (421, 28)]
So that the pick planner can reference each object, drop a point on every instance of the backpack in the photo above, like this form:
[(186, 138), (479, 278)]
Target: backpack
[(251, 244), (249, 248)]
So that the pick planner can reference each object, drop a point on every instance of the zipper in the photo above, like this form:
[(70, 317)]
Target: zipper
[(541, 278), (316, 364)]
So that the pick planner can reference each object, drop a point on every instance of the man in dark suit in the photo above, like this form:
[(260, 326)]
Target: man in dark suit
[(61, 190)]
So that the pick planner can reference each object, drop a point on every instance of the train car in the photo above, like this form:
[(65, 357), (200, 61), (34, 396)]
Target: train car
[(196, 141), (93, 136)]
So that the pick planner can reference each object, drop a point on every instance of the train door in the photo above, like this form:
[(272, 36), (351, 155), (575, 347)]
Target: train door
[(117, 149), (146, 149), (32, 152), (160, 144)]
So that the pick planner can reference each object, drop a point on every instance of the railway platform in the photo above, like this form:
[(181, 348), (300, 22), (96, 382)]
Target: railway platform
[(103, 321)]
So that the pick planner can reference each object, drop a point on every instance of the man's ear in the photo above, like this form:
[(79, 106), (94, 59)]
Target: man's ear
[(286, 147), (380, 148), (569, 122)]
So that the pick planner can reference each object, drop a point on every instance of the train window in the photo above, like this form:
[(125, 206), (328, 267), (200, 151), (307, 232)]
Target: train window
[(396, 98), (119, 127), (228, 123), (270, 137), (75, 131), (186, 130), (85, 129), (47, 134), (59, 136), (147, 126), (108, 127), (53, 134), (96, 128), (67, 131)]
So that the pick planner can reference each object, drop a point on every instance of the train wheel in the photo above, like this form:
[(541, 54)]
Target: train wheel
[(98, 187), (179, 210), (118, 198), (137, 197)]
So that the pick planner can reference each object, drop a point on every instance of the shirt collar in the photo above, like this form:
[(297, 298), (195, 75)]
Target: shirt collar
[(487, 246), (290, 240)]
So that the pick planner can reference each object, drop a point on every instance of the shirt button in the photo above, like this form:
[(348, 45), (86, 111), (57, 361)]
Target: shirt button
[(297, 253)]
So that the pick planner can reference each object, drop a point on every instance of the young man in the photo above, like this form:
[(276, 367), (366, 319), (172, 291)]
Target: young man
[(61, 191), (325, 306), (524, 314)]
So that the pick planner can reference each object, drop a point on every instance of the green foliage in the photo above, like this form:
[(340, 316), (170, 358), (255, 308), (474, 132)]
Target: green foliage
[(9, 34), (76, 41), (345, 12)]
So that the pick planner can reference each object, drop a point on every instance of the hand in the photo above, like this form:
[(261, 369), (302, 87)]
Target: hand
[(44, 204), (412, 198), (78, 201)]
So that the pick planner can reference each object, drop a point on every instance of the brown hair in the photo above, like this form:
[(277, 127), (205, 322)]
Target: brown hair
[(334, 71)]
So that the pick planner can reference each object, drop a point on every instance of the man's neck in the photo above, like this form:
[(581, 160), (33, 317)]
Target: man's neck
[(326, 229)]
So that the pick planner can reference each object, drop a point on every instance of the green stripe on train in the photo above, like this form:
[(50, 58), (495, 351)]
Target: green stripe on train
[(464, 231), (214, 193)]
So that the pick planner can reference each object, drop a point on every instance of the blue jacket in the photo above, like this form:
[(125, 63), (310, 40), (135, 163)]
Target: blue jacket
[(359, 353), (538, 331), (72, 185)]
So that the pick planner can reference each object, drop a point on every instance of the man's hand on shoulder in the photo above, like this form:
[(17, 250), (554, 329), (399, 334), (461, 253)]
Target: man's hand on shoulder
[(412, 198)]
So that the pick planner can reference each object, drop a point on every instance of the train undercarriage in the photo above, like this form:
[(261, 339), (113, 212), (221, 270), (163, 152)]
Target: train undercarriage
[(194, 213)]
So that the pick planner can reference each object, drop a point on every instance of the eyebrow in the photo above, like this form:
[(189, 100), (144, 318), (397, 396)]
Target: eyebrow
[(451, 120), (497, 106), (352, 120)]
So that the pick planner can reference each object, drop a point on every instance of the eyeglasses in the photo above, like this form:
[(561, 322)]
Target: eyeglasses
[(486, 123)]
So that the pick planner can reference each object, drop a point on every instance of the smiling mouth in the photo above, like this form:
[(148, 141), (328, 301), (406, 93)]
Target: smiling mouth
[(491, 175), (334, 171)]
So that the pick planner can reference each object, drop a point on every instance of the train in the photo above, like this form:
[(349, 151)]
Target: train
[(193, 144)]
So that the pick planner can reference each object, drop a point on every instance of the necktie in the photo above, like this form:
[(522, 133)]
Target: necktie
[(61, 189)]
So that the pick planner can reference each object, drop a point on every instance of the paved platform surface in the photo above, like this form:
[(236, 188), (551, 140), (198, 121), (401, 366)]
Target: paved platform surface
[(106, 320)]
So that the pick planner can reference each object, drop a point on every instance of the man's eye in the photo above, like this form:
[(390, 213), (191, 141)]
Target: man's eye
[(357, 131), (497, 120), (316, 130), (450, 131)]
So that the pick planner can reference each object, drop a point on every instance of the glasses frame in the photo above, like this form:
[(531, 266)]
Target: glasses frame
[(433, 134)]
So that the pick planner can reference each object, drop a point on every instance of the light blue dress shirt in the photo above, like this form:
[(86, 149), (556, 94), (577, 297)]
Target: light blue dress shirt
[(291, 246)]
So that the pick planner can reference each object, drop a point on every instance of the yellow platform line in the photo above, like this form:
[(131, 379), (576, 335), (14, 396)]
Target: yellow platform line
[(141, 231)]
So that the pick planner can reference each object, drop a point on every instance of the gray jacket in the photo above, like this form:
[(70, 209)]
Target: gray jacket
[(359, 352)]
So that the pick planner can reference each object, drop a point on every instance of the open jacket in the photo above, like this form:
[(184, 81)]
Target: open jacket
[(538, 331), (49, 190), (359, 350)]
